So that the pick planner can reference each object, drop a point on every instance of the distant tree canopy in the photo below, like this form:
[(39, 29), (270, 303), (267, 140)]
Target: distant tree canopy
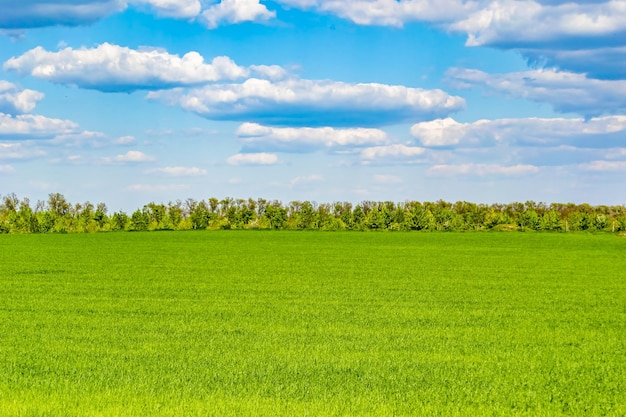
[(57, 215)]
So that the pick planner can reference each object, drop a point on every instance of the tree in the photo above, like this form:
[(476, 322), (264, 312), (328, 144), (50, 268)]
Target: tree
[(100, 216), (358, 218), (58, 205), (200, 216), (119, 221), (10, 203), (276, 215), (139, 220), (529, 219), (551, 221), (175, 213)]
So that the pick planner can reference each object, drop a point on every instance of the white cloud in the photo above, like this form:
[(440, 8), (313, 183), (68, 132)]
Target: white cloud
[(18, 14), (22, 14), (19, 150), (6, 169), (130, 156), (603, 63), (110, 67), (29, 126), (253, 159), (125, 140), (604, 166), (81, 139), (389, 12), (258, 137), (173, 8), (270, 72), (313, 103), (566, 91), (543, 30), (14, 100), (236, 11), (519, 23), (181, 171), (482, 170), (438, 132), (391, 152), (600, 131)]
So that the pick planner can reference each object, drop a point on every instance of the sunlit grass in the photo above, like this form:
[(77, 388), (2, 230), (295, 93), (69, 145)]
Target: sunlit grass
[(288, 323)]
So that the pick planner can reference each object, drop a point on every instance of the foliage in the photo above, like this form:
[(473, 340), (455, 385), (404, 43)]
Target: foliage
[(57, 215)]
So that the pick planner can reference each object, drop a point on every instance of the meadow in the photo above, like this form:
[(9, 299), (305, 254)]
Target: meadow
[(262, 323)]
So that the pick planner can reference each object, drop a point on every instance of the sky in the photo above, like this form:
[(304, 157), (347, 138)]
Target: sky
[(128, 102)]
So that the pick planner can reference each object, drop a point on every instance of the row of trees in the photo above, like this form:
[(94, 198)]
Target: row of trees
[(57, 215)]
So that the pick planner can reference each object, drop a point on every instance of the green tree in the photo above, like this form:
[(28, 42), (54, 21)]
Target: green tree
[(529, 219), (120, 221), (306, 217), (200, 216), (276, 215), (139, 220), (551, 221)]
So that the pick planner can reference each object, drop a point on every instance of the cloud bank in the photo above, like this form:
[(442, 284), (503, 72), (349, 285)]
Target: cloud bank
[(113, 68), (14, 100), (565, 91), (29, 126), (256, 137), (300, 102), (594, 133), (261, 158)]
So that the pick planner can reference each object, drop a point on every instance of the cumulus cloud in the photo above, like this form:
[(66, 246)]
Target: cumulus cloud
[(579, 36), (513, 23), (24, 14), (601, 63), (595, 132), (129, 157), (482, 170), (396, 151), (173, 8), (565, 91), (289, 139), (390, 12), (261, 158), (125, 140), (82, 138), (19, 150), (15, 100), (110, 68), (312, 102), (181, 171), (545, 31), (29, 126), (235, 11)]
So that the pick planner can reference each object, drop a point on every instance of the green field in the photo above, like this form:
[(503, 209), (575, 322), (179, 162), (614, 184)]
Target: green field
[(312, 324)]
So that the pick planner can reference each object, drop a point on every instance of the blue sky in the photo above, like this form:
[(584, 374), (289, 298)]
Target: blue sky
[(132, 101)]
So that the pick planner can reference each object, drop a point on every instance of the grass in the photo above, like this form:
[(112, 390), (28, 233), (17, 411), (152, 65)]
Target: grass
[(312, 324)]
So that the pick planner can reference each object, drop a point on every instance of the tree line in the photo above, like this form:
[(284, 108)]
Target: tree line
[(57, 215)]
